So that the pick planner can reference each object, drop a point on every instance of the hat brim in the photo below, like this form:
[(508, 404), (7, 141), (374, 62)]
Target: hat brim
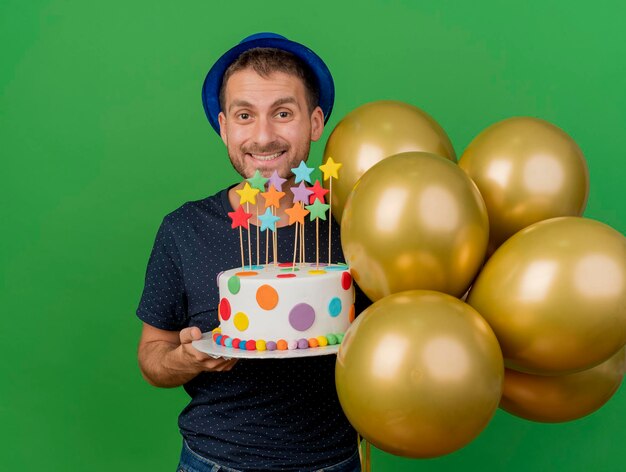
[(213, 80)]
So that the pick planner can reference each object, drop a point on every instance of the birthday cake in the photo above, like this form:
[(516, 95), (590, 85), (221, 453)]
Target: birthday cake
[(282, 306)]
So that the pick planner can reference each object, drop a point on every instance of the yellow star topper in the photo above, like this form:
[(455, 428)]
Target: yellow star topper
[(330, 169), (247, 194)]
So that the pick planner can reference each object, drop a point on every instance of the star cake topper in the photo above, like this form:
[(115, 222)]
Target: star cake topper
[(272, 197), (301, 193), (302, 172), (247, 194), (318, 192), (330, 169), (239, 217), (276, 181), (296, 214), (268, 221), (318, 210), (257, 181)]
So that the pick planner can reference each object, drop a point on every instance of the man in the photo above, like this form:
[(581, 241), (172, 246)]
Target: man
[(268, 98)]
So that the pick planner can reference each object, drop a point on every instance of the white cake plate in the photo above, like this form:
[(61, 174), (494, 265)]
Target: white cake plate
[(207, 345)]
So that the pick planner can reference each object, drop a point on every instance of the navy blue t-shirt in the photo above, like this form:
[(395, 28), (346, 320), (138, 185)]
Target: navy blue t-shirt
[(264, 414)]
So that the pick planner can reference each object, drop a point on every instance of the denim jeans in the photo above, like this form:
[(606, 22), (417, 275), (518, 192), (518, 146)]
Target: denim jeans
[(192, 462)]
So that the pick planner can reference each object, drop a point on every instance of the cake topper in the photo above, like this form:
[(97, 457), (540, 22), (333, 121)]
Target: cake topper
[(302, 172), (330, 171)]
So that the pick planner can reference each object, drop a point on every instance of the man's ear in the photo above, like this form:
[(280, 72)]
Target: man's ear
[(317, 124), (221, 118)]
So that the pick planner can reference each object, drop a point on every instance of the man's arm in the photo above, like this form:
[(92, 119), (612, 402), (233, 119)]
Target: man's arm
[(167, 359)]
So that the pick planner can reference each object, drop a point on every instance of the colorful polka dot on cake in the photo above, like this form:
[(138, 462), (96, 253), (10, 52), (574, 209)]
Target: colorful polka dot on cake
[(302, 316), (267, 297), (234, 285), (334, 307), (346, 281), (224, 309), (241, 321)]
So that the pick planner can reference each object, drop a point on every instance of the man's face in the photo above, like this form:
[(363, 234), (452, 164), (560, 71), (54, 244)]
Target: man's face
[(266, 124)]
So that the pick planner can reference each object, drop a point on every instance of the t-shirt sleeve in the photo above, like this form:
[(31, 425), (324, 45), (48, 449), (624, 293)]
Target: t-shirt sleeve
[(163, 302)]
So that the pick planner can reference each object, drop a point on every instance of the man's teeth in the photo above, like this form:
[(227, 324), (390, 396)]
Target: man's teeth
[(266, 157)]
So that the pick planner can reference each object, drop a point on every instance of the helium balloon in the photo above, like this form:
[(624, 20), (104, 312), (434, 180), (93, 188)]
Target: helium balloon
[(553, 399), (414, 221), (555, 295), (419, 374), (377, 130), (527, 170)]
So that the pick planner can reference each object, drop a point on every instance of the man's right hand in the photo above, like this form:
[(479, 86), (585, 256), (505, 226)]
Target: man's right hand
[(167, 358), (200, 360)]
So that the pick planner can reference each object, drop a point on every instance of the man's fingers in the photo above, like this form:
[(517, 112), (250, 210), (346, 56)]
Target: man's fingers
[(190, 334), (219, 365)]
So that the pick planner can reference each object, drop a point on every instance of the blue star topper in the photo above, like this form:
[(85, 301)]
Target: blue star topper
[(268, 221), (302, 172)]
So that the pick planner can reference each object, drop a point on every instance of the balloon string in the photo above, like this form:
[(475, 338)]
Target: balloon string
[(364, 458)]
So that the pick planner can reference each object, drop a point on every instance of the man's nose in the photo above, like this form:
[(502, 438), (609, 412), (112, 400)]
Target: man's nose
[(264, 132)]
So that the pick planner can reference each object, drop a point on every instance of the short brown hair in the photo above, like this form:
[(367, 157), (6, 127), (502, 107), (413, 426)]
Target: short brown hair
[(265, 61)]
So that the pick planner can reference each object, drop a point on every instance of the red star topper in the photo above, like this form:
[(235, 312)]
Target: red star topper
[(239, 217)]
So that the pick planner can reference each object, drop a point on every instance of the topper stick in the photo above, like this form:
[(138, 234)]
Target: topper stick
[(317, 243), (257, 235), (275, 248), (241, 246), (267, 242), (303, 246), (249, 247), (295, 248), (330, 215)]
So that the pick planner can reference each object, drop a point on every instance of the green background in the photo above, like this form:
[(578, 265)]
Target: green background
[(102, 133)]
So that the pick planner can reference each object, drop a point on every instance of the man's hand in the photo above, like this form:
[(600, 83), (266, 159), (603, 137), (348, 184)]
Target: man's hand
[(201, 361), (167, 358)]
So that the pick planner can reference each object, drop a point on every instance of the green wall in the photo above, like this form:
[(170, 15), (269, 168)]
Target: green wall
[(102, 133)]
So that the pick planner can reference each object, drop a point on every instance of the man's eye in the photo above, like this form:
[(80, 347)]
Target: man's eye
[(244, 116), (283, 114)]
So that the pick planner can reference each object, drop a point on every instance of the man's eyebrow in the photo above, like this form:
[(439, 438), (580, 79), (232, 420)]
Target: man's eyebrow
[(284, 101), (277, 103), (240, 103)]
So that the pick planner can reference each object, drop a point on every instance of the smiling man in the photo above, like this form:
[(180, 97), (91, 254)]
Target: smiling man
[(268, 98)]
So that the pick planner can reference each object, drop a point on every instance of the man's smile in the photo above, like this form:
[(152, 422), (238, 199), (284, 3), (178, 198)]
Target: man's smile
[(266, 157)]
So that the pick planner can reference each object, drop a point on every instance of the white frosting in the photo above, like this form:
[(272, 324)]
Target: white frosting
[(322, 292)]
